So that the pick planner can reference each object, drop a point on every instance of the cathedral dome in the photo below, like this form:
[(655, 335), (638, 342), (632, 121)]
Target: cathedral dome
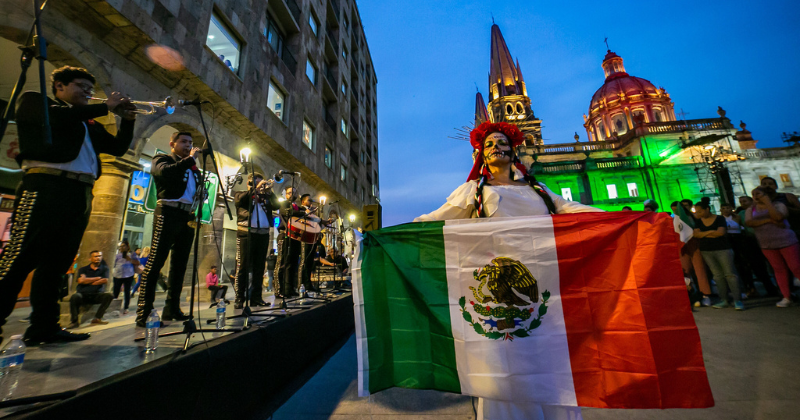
[(620, 86), (623, 102)]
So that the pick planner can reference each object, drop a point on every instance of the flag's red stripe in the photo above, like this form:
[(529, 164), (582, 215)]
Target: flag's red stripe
[(632, 338)]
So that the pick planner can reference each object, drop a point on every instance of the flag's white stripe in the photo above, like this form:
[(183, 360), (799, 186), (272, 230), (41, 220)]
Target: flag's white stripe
[(532, 369), (361, 326)]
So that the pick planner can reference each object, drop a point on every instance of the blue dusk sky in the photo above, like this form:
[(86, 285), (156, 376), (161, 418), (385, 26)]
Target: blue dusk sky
[(429, 55)]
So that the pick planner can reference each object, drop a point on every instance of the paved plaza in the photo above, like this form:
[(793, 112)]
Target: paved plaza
[(751, 358)]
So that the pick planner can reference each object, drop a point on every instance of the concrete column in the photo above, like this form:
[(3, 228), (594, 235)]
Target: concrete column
[(108, 208)]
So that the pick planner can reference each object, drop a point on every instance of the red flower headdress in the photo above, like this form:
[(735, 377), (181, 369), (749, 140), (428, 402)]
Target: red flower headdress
[(478, 135)]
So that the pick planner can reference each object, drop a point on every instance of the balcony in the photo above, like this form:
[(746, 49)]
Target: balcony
[(289, 60), (632, 162), (331, 77), (294, 9), (335, 7), (777, 152), (353, 123), (592, 146), (353, 158), (329, 120), (333, 40)]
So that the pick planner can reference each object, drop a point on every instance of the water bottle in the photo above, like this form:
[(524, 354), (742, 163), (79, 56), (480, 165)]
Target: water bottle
[(220, 314), (11, 358), (302, 290), (151, 335)]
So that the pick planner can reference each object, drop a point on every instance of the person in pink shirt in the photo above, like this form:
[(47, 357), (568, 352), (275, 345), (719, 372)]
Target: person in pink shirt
[(217, 291)]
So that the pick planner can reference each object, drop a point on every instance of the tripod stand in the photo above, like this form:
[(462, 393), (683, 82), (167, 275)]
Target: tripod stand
[(189, 326)]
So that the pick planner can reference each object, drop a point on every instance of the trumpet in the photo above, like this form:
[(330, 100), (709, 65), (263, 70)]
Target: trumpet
[(168, 104)]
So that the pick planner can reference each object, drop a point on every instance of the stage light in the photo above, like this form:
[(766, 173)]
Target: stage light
[(281, 199), (244, 154), (352, 218)]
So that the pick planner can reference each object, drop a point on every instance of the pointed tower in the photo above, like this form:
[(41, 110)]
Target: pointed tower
[(481, 115), (508, 95)]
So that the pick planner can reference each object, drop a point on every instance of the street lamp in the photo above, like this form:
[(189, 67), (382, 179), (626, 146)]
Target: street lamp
[(322, 199), (244, 154), (352, 218)]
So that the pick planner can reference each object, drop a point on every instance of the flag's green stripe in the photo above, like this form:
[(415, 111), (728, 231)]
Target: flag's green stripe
[(406, 312)]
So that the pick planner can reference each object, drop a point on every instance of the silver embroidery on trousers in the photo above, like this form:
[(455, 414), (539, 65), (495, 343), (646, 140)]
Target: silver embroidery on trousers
[(22, 218)]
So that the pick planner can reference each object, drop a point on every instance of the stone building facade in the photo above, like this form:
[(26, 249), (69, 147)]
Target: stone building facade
[(300, 93)]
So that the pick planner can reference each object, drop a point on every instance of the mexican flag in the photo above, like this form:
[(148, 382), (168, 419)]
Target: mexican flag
[(585, 309)]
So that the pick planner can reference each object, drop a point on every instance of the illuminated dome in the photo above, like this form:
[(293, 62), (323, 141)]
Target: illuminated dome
[(624, 101)]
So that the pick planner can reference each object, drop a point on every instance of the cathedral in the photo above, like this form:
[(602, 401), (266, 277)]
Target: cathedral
[(636, 147)]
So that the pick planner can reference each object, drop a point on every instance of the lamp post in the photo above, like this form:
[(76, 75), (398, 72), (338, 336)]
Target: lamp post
[(244, 155)]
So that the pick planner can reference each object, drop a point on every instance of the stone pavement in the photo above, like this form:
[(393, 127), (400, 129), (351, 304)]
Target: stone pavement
[(751, 358)]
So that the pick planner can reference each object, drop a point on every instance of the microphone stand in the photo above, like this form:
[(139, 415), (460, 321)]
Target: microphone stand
[(189, 326), (35, 46)]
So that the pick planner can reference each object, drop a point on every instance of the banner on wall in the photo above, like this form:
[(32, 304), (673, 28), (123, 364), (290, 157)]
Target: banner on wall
[(212, 184), (140, 184)]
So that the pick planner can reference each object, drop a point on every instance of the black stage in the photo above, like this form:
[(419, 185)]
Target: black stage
[(243, 375)]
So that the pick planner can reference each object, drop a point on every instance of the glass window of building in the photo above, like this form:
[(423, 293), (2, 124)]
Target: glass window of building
[(657, 115), (343, 173), (344, 52), (363, 194), (633, 190), (224, 44), (363, 156), (612, 191), (601, 131), (274, 35), (328, 157), (566, 193), (308, 135), (275, 101), (344, 87), (344, 127), (311, 71), (620, 124), (312, 22)]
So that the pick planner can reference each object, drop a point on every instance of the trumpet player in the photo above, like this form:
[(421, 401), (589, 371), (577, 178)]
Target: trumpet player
[(254, 221), (54, 199)]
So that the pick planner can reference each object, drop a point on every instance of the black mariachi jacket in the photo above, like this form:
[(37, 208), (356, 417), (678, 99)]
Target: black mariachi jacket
[(67, 131), (287, 211), (269, 202), (171, 174)]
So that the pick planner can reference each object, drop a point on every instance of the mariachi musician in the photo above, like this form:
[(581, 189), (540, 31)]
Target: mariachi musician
[(54, 200), (177, 181), (252, 237), (288, 248), (308, 250)]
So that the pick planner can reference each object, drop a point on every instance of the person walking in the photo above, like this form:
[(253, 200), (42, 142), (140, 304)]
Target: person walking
[(125, 265), (717, 252), (778, 242), (143, 257)]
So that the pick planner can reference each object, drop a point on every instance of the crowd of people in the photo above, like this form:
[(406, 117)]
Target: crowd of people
[(757, 241)]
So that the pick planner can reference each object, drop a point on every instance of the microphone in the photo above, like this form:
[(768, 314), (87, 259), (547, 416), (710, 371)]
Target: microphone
[(195, 102), (282, 172)]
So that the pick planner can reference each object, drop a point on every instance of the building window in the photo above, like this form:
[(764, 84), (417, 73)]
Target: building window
[(343, 173), (344, 52), (312, 22), (344, 127), (223, 43), (620, 125), (328, 157), (346, 24), (633, 190), (787, 180), (308, 135), (657, 115), (355, 185), (311, 71), (344, 87), (520, 109), (566, 193), (363, 195), (601, 131), (639, 115), (612, 191), (363, 156), (274, 35), (275, 101)]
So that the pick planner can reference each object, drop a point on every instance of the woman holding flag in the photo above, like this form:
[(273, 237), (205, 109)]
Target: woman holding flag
[(499, 186)]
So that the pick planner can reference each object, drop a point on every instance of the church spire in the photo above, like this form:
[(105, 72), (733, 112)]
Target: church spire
[(504, 76), (481, 115)]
